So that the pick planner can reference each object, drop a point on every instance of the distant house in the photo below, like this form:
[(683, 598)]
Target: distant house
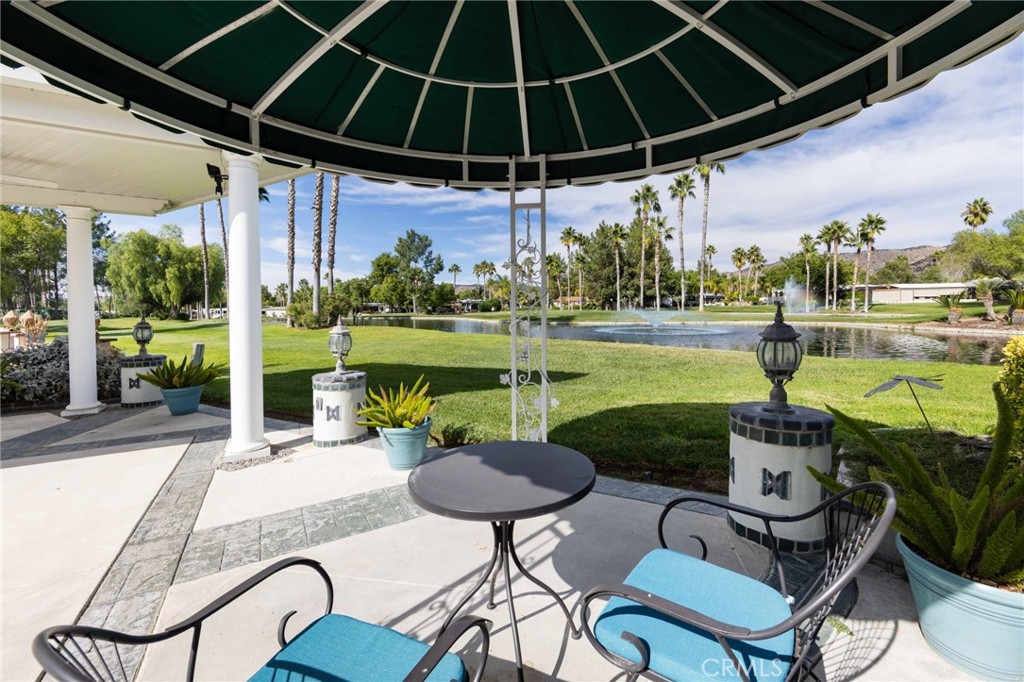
[(569, 301), (916, 293)]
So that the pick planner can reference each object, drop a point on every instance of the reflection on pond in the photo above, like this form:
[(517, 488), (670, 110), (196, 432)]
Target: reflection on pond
[(820, 341)]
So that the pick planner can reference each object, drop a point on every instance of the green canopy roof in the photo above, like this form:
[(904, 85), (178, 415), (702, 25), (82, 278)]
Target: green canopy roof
[(445, 92)]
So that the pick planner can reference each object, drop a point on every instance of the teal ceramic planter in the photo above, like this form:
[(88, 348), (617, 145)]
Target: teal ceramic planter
[(977, 628), (182, 400), (405, 447)]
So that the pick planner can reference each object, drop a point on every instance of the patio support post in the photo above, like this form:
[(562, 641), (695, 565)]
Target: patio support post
[(245, 333), (528, 302), (81, 318)]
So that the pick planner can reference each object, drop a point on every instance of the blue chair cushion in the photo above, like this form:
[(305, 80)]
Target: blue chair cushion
[(682, 652), (337, 648)]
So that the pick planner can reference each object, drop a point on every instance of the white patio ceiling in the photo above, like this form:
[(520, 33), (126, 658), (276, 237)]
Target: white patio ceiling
[(59, 149)]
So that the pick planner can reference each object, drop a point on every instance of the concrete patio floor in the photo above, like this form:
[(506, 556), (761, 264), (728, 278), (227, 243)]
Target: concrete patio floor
[(126, 520)]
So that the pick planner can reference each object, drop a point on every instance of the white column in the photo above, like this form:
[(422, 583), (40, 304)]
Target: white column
[(245, 333), (81, 316)]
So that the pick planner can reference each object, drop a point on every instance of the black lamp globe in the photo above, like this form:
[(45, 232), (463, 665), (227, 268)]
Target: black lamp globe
[(779, 354), (143, 334), (339, 340)]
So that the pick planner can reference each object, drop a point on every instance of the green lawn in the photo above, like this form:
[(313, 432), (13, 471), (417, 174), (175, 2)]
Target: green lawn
[(633, 409)]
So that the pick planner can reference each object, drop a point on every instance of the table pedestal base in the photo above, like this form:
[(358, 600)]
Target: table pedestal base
[(503, 552)]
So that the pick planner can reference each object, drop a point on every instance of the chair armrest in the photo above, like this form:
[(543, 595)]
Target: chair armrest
[(230, 596), (666, 607), (715, 502), (446, 640)]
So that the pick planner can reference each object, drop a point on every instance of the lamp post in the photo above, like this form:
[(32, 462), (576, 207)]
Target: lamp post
[(337, 395), (779, 355), (143, 334), (339, 340)]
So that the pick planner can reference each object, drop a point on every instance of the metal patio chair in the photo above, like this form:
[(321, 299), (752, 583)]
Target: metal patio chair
[(677, 617), (331, 649)]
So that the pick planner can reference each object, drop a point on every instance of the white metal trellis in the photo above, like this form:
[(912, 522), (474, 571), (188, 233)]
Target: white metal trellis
[(528, 300)]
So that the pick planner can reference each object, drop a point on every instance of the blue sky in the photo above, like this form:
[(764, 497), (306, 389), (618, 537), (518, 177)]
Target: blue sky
[(917, 160)]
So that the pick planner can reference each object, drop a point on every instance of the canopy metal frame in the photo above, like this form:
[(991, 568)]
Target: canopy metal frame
[(890, 52)]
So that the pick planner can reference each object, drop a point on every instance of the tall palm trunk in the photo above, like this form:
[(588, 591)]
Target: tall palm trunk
[(579, 271), (224, 238), (807, 286), (704, 237), (318, 235), (682, 261), (835, 274), (853, 292), (291, 252), (867, 278), (828, 265), (643, 254), (206, 262), (332, 233), (657, 272), (618, 280), (568, 276)]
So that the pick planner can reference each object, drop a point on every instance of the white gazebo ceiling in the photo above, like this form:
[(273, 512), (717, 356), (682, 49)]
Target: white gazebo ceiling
[(59, 149)]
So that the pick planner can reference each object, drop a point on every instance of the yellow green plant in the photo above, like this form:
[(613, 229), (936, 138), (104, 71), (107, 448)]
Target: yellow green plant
[(185, 375), (980, 536), (391, 409), (1011, 379)]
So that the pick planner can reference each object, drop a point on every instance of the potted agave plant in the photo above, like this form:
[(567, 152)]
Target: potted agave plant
[(181, 384), (1016, 299), (952, 304), (403, 420), (964, 554)]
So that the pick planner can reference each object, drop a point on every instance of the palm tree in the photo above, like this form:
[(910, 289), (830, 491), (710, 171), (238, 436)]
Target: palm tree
[(985, 289), (291, 252), (318, 235), (480, 270), (455, 270), (618, 235), (704, 170), (824, 238), (872, 226), (568, 239), (976, 213), (681, 188), (661, 231), (579, 241), (206, 262), (832, 235), (489, 272), (855, 240), (739, 260), (756, 261), (645, 200), (556, 266), (332, 233), (709, 252), (808, 247)]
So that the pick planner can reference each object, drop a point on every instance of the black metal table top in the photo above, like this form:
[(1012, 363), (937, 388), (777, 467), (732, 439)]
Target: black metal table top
[(501, 481)]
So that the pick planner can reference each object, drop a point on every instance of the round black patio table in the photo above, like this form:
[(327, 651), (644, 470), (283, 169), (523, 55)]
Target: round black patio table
[(501, 483)]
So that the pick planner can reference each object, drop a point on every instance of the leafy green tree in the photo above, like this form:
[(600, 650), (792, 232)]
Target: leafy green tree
[(895, 271), (987, 253), (417, 264), (35, 261), (704, 171), (556, 268)]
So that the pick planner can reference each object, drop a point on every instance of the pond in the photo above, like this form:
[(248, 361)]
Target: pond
[(819, 340)]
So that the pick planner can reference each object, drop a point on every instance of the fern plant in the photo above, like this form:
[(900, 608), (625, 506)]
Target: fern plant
[(950, 301), (185, 375), (980, 537), (391, 409)]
